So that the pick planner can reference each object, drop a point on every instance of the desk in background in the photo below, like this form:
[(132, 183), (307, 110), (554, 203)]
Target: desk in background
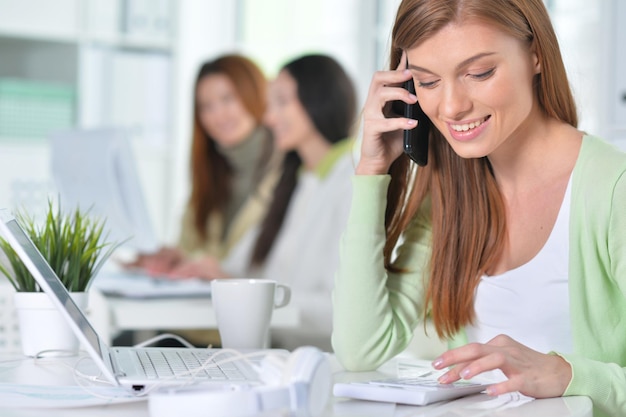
[(173, 313), (51, 373), (112, 314)]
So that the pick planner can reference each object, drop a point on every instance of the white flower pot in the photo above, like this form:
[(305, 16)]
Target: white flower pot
[(42, 328)]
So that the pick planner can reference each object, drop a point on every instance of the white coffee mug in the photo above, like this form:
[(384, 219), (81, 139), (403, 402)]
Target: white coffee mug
[(243, 309)]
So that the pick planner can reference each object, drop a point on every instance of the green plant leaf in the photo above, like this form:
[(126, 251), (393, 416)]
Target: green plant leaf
[(73, 243)]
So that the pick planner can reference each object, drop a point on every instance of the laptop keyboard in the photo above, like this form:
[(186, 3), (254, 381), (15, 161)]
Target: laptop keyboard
[(176, 364)]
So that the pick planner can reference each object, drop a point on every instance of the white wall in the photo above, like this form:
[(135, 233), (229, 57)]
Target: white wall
[(356, 32), (205, 29), (592, 38), (579, 29), (273, 32)]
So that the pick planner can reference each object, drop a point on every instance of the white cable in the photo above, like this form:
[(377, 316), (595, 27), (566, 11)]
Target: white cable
[(165, 336), (73, 368), (87, 388), (83, 375), (77, 375), (209, 362), (56, 353)]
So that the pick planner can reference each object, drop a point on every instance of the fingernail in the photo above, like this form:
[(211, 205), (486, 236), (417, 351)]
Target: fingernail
[(490, 391), (465, 373), (411, 122), (443, 379), (437, 363), (413, 96)]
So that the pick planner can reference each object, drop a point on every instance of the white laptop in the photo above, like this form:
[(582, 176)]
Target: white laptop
[(135, 368)]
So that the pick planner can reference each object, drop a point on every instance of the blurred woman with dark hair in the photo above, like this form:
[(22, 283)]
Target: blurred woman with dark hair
[(311, 111)]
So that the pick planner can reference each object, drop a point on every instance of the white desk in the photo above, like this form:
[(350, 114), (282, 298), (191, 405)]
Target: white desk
[(175, 313), (113, 314), (52, 373)]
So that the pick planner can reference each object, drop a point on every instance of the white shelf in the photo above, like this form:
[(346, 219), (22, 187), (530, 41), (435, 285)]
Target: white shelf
[(84, 43), (120, 67), (130, 42), (41, 36), (58, 19)]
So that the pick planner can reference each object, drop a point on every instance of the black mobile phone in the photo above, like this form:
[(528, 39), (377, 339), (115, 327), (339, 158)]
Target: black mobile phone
[(416, 139)]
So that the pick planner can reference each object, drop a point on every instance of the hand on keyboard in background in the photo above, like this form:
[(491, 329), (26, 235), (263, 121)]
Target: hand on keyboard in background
[(207, 268), (158, 263)]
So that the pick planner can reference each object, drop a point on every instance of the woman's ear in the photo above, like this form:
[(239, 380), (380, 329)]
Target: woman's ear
[(535, 59), (537, 63)]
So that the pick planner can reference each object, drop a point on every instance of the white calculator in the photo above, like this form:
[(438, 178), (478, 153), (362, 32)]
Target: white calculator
[(412, 391)]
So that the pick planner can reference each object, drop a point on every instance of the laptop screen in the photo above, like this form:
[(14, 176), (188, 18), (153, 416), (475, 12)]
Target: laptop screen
[(52, 282)]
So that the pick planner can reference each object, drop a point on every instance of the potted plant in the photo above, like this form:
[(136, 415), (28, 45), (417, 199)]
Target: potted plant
[(74, 244)]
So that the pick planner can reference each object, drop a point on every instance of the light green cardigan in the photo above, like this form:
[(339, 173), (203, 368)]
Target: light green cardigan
[(376, 311)]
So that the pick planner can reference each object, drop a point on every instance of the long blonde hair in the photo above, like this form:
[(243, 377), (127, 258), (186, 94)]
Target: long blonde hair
[(467, 209)]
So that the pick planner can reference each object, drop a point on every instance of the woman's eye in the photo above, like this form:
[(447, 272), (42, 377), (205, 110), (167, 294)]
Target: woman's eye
[(483, 75), (422, 84)]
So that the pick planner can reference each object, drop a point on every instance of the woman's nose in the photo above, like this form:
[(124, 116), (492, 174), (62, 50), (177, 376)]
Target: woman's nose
[(455, 102), (268, 117)]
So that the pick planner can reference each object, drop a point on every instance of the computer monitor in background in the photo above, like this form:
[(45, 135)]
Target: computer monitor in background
[(96, 170)]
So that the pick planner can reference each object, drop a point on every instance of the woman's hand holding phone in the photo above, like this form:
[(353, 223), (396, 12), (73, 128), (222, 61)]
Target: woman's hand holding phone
[(382, 129)]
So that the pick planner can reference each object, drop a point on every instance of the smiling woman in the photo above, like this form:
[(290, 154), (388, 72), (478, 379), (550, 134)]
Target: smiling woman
[(233, 169), (221, 112), (481, 77), (510, 235)]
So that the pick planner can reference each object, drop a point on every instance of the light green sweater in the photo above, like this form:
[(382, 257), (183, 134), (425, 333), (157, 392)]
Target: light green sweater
[(376, 311)]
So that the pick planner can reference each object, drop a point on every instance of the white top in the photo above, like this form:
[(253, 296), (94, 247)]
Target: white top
[(531, 297), (305, 254)]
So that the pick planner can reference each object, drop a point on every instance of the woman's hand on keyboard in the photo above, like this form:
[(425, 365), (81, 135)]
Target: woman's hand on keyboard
[(157, 263), (204, 268), (530, 372)]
